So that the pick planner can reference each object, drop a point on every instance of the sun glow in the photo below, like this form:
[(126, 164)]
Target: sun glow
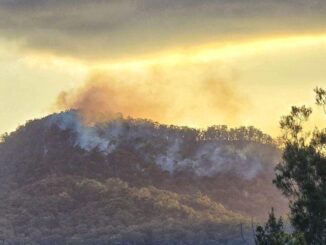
[(257, 69), (209, 52)]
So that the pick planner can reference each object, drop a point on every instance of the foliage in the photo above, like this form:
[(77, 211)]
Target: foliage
[(321, 97), (3, 137), (273, 233), (35, 151), (54, 192), (60, 210), (302, 174)]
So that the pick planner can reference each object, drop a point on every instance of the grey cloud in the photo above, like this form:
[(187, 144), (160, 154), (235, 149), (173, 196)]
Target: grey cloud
[(112, 28)]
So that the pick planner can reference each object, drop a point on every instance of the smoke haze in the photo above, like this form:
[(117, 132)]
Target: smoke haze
[(176, 96), (172, 149)]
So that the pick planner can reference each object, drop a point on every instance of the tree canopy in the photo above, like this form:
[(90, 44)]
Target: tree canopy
[(301, 177)]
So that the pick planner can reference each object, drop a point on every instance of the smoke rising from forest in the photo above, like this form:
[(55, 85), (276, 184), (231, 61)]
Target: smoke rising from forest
[(174, 149)]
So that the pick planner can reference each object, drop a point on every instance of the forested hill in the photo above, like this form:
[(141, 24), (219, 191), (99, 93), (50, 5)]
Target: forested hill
[(63, 179)]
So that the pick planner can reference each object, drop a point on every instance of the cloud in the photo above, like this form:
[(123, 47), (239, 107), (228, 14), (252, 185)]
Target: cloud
[(109, 29)]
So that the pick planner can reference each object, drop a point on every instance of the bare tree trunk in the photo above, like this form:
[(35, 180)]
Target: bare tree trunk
[(242, 236), (253, 230)]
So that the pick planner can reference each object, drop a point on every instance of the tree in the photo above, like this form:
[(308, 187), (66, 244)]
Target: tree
[(4, 137), (301, 176), (273, 233), (321, 97)]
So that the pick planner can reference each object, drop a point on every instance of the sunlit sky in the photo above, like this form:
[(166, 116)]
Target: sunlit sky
[(193, 63)]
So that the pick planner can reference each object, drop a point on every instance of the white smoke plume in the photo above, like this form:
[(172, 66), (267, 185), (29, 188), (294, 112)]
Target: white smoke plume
[(157, 144), (87, 137), (211, 159), (171, 158)]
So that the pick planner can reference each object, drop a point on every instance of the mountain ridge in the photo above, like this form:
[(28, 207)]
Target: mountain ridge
[(216, 163)]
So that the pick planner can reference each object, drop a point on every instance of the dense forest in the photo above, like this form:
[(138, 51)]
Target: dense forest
[(132, 181)]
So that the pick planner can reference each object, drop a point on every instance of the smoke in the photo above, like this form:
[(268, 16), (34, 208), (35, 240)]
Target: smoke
[(178, 96), (170, 160), (87, 138), (102, 99), (165, 146), (212, 158)]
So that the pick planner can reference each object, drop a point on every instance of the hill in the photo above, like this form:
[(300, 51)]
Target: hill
[(133, 180), (59, 210)]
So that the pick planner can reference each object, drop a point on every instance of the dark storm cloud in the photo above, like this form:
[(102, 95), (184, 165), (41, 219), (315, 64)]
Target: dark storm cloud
[(112, 28)]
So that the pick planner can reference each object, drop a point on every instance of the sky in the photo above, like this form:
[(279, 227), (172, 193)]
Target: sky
[(183, 62)]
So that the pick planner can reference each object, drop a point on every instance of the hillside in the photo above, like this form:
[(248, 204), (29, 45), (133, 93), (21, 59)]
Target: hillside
[(133, 180), (84, 211)]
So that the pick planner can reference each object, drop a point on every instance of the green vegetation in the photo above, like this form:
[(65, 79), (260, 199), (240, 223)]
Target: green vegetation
[(302, 178), (55, 192), (273, 233), (84, 211), (35, 151)]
